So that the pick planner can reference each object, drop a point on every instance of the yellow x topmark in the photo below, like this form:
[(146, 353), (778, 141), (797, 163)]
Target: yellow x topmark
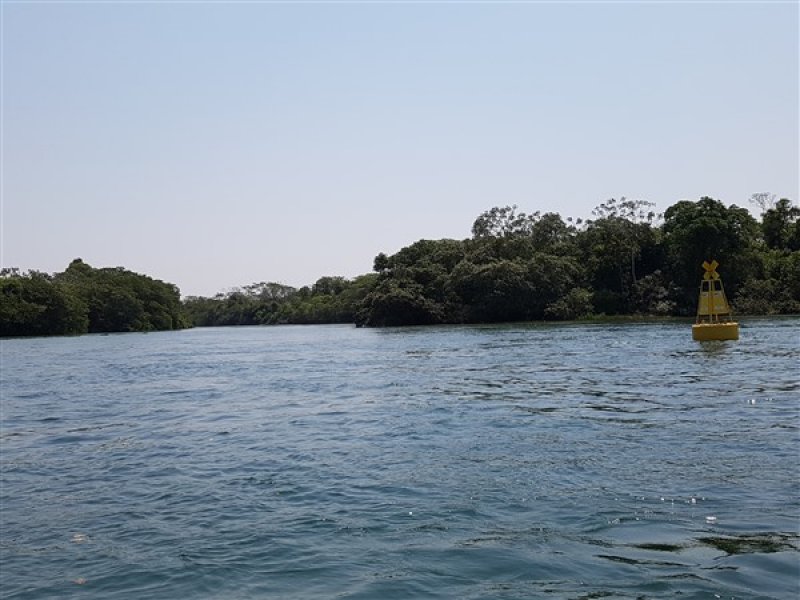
[(711, 270)]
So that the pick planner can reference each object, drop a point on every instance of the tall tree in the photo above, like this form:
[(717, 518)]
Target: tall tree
[(780, 226), (613, 244), (705, 230), (33, 304), (503, 221)]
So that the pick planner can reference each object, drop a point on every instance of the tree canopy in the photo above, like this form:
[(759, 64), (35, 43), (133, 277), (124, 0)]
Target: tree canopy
[(82, 299), (516, 266), (627, 259)]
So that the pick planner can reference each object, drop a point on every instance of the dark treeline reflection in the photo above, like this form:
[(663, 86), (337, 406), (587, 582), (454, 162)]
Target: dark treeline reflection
[(626, 260)]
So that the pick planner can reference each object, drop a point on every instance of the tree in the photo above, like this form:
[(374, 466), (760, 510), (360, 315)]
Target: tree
[(120, 300), (763, 200), (381, 263), (496, 291), (653, 295), (415, 283), (330, 286), (613, 245), (556, 287), (630, 223), (503, 221), (115, 309), (269, 290), (704, 230), (393, 302), (550, 234), (780, 225), (575, 304), (32, 304)]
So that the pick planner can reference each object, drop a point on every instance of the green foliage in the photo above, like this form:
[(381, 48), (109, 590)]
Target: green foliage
[(613, 245), (516, 266), (414, 286), (575, 304), (83, 299), (520, 266), (781, 226), (777, 291), (32, 304), (121, 300), (503, 221), (556, 283), (654, 295), (705, 230), (495, 291), (395, 302), (552, 235), (329, 300)]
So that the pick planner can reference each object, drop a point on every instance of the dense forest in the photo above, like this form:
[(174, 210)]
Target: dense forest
[(82, 299), (625, 260)]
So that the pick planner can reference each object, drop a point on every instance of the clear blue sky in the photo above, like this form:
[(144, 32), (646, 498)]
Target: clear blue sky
[(214, 145)]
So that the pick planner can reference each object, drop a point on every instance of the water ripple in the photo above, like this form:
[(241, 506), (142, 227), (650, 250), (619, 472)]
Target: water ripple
[(565, 461)]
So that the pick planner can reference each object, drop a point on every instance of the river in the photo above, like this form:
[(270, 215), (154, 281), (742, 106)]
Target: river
[(516, 461)]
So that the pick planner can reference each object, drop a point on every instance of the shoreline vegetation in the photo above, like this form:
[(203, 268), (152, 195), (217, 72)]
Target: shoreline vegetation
[(626, 263)]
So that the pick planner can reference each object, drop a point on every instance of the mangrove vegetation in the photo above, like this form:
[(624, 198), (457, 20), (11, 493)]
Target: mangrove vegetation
[(625, 260), (82, 299)]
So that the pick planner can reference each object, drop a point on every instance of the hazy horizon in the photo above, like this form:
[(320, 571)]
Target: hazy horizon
[(215, 145)]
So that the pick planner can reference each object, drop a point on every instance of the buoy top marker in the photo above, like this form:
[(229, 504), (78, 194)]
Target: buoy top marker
[(711, 270), (714, 321)]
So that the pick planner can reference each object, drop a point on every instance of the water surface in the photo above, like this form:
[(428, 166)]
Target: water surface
[(519, 461)]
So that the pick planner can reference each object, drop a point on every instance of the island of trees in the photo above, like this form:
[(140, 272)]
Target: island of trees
[(82, 299), (625, 260)]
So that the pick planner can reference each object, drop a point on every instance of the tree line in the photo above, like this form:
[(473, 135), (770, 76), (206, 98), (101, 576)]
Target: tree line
[(329, 300), (82, 299), (625, 260)]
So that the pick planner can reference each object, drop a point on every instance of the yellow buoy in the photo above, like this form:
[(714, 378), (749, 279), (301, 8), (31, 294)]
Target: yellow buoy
[(714, 320)]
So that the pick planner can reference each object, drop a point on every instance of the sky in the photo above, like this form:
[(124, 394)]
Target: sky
[(213, 145)]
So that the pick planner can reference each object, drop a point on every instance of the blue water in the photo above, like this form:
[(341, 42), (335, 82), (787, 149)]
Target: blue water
[(527, 461)]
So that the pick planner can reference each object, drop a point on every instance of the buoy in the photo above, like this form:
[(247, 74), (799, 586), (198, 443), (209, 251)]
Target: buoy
[(714, 319)]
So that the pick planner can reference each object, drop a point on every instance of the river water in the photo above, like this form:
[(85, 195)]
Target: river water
[(519, 461)]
